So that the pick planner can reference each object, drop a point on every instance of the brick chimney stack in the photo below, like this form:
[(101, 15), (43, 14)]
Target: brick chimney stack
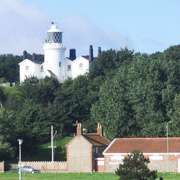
[(79, 129), (99, 130)]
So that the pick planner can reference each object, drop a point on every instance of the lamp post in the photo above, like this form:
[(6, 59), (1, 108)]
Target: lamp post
[(20, 143), (168, 146)]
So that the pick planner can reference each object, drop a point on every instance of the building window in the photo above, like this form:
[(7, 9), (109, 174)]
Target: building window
[(41, 68), (27, 68), (95, 149), (80, 65), (69, 67), (59, 64)]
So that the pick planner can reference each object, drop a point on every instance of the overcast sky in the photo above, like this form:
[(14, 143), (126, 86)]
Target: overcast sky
[(147, 26)]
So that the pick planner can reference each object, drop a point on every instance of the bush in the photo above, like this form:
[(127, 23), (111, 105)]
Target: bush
[(135, 167)]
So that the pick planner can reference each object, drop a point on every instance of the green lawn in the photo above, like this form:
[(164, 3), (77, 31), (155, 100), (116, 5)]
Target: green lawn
[(43, 153), (60, 176), (74, 176)]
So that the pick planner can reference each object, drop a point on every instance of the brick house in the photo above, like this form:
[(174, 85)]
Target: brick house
[(84, 150), (164, 155)]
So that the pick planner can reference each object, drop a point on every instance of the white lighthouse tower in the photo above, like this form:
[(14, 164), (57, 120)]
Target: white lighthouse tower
[(54, 53), (55, 63)]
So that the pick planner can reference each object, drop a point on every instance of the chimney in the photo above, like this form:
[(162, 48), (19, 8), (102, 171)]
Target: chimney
[(99, 51), (91, 53), (34, 56), (79, 129), (24, 55), (72, 54), (99, 130)]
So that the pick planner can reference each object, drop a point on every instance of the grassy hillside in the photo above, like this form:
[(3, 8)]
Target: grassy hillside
[(43, 152)]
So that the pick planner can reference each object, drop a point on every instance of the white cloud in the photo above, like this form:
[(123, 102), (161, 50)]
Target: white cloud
[(21, 27), (80, 32), (24, 26)]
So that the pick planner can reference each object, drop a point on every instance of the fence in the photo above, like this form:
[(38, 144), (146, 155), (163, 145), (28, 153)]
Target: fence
[(47, 165), (2, 166)]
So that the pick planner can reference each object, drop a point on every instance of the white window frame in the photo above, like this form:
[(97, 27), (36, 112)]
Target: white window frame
[(69, 67), (80, 65), (27, 68)]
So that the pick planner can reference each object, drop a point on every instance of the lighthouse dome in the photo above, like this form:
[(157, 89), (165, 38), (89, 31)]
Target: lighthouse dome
[(54, 35)]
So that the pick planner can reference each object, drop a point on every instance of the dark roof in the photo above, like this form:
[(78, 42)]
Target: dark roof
[(97, 140), (52, 74), (35, 61), (86, 57), (145, 145)]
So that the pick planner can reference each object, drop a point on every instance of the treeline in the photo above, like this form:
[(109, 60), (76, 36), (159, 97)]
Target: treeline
[(130, 94), (9, 66)]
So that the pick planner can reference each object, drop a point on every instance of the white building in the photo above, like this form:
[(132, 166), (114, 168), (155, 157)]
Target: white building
[(55, 63)]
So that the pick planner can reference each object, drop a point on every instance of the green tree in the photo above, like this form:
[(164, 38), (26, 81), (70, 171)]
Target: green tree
[(9, 67), (135, 167), (42, 92), (29, 88), (47, 90), (174, 116), (109, 61), (173, 53), (2, 95), (7, 133), (73, 103), (32, 122), (137, 100)]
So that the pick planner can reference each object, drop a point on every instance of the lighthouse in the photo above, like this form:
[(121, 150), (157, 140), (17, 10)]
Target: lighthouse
[(54, 53), (55, 63)]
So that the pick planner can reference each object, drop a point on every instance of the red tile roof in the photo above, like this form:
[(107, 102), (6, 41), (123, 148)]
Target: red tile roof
[(145, 145), (97, 140)]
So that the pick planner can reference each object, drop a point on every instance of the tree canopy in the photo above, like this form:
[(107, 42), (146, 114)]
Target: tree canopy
[(130, 94), (135, 167)]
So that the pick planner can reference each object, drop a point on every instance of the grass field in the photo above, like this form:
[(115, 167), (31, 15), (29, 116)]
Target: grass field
[(43, 153), (60, 176), (74, 176)]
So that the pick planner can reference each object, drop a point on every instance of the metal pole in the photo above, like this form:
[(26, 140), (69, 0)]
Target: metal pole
[(167, 148), (20, 143), (19, 161), (52, 143)]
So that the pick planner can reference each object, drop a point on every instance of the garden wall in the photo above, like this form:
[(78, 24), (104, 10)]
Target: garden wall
[(2, 166), (46, 165)]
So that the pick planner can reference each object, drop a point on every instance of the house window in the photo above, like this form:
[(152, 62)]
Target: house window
[(69, 67), (41, 68), (80, 65), (95, 149), (27, 68), (59, 64)]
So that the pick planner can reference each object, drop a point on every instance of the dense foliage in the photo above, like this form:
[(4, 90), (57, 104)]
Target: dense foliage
[(9, 66), (135, 167), (131, 95), (139, 100)]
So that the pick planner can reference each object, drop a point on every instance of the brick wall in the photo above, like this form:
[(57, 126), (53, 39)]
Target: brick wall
[(162, 166), (110, 166), (79, 155), (46, 165), (159, 165), (100, 164)]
